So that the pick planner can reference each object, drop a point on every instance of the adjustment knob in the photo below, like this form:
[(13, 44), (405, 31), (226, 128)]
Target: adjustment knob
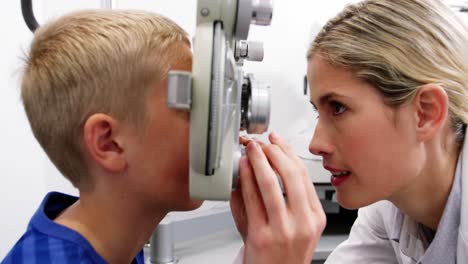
[(255, 106), (262, 12), (249, 50)]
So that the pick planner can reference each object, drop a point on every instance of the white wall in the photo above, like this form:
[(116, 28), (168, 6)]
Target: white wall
[(22, 163), (26, 174)]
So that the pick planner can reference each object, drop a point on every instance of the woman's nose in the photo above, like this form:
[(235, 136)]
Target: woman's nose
[(319, 144)]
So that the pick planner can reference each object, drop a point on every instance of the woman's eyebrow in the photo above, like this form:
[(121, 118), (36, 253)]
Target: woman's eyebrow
[(322, 100)]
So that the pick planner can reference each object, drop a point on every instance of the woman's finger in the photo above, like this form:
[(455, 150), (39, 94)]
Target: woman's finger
[(276, 139), (238, 212), (256, 215), (312, 197), (244, 140), (267, 183), (291, 177)]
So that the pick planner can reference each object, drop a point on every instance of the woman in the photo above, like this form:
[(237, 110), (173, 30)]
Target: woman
[(389, 80)]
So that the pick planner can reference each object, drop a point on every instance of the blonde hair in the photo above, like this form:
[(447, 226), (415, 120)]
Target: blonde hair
[(398, 46), (88, 62)]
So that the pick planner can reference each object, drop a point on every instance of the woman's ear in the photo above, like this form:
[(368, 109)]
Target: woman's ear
[(102, 141), (431, 109)]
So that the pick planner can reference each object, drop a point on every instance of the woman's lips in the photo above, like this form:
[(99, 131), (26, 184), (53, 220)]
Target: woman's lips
[(338, 180), (338, 176)]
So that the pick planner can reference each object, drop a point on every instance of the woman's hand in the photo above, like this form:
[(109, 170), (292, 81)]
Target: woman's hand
[(275, 230)]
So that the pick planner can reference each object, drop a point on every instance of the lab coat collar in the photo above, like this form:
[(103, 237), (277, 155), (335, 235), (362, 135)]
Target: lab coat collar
[(462, 246)]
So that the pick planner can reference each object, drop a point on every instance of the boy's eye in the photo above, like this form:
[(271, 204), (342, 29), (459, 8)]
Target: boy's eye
[(337, 108)]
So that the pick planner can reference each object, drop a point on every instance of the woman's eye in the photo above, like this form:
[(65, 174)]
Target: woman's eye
[(337, 108)]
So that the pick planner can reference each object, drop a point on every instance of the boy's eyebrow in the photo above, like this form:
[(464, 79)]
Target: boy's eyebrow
[(325, 98)]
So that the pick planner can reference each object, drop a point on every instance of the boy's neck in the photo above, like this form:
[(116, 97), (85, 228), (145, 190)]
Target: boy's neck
[(113, 224)]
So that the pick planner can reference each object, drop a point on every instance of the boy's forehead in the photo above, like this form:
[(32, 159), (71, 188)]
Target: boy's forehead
[(183, 55)]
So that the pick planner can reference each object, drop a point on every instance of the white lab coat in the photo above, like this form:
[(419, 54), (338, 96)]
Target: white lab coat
[(370, 237)]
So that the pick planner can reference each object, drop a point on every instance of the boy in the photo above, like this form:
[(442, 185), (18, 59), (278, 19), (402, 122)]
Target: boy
[(94, 93)]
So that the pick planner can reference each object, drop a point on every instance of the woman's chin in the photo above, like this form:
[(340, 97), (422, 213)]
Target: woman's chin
[(351, 203)]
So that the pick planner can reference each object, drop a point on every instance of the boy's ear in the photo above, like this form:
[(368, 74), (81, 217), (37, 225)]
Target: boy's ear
[(100, 134), (431, 105)]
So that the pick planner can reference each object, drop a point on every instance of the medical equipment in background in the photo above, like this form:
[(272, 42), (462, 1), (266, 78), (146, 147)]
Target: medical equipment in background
[(221, 100), (30, 20), (28, 15)]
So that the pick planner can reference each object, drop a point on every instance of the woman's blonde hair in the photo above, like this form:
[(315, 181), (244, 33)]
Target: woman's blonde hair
[(100, 61), (398, 46)]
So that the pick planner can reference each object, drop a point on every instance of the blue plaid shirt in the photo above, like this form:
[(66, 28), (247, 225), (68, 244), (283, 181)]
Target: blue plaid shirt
[(48, 242)]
